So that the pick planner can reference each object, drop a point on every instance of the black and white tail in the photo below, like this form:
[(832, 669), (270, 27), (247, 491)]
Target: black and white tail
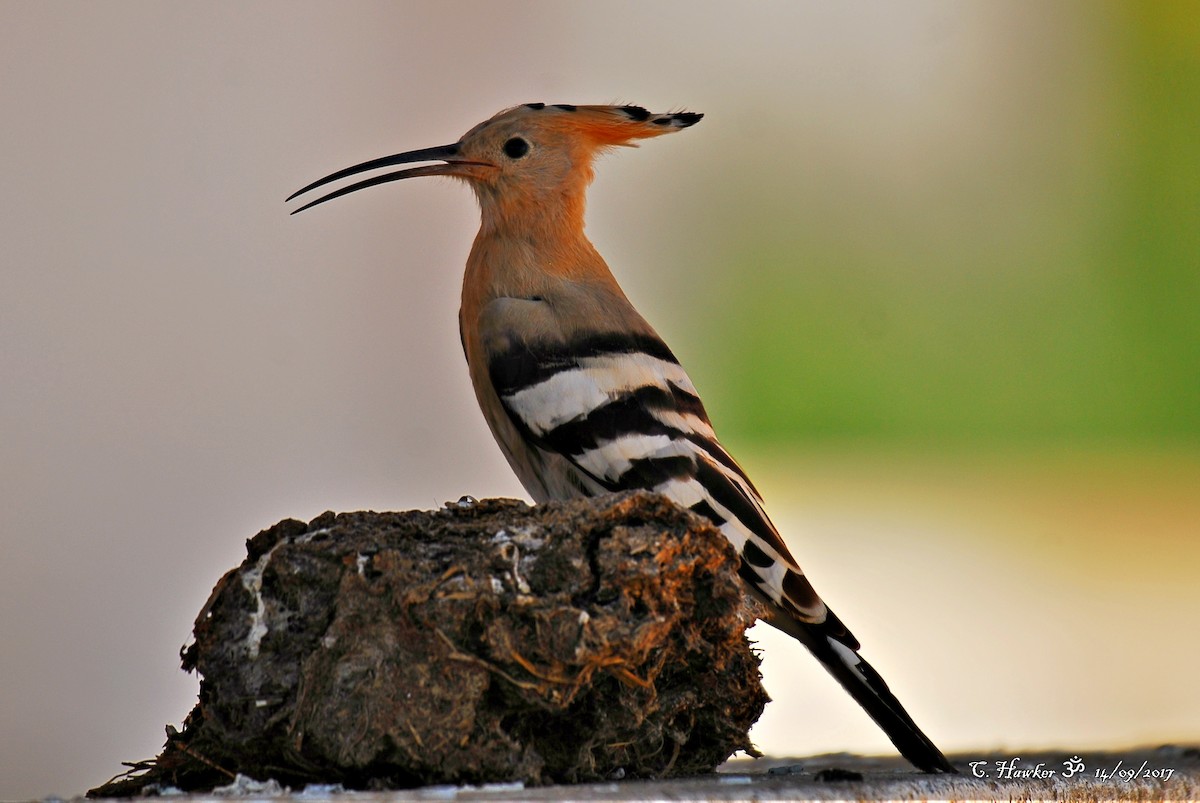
[(837, 650)]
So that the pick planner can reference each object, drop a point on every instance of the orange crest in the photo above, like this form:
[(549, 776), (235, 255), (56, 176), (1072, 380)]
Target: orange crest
[(608, 126)]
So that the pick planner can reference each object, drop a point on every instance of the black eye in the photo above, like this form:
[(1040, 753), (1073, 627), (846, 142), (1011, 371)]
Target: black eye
[(515, 148)]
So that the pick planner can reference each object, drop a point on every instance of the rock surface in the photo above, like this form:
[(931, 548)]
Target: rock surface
[(486, 642)]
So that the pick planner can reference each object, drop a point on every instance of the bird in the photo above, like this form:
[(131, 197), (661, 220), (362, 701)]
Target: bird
[(581, 394)]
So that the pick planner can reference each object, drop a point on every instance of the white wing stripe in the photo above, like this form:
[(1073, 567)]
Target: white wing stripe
[(613, 458), (685, 422), (563, 397), (574, 392)]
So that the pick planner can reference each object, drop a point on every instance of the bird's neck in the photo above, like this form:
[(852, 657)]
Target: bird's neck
[(543, 216), (536, 256), (530, 261), (526, 242)]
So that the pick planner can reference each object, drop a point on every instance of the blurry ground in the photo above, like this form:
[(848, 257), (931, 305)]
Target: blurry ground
[(1144, 774)]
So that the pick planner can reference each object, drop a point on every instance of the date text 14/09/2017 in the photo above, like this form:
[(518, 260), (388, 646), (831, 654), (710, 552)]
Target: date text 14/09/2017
[(1011, 769)]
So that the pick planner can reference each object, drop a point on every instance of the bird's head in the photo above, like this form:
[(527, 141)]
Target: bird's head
[(524, 160)]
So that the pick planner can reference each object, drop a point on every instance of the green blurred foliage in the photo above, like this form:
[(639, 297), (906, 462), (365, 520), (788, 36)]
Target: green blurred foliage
[(1095, 340)]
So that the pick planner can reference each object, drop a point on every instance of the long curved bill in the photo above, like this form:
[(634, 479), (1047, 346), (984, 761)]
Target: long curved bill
[(450, 165)]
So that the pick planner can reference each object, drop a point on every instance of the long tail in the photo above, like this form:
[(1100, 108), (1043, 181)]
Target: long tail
[(837, 649)]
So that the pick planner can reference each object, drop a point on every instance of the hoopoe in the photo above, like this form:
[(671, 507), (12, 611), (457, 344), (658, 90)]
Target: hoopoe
[(581, 394)]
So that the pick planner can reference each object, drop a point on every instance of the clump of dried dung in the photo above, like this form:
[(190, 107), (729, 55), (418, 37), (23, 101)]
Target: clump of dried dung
[(485, 642)]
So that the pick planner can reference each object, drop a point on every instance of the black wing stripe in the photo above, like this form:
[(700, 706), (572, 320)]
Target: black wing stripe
[(717, 452), (522, 367), (752, 554), (800, 591), (648, 472), (730, 497), (703, 508), (747, 573), (681, 401), (626, 415)]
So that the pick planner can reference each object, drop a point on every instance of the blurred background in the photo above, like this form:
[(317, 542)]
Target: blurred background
[(935, 267)]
